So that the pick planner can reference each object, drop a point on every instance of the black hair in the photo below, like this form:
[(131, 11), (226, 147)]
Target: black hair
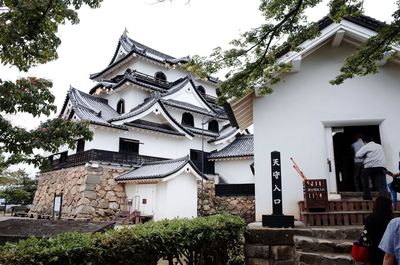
[(367, 139), (383, 207)]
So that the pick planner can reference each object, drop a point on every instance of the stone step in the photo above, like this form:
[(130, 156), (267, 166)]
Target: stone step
[(321, 258), (350, 233), (313, 244)]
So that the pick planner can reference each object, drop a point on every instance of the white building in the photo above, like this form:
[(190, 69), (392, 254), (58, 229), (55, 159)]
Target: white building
[(314, 122), (151, 119)]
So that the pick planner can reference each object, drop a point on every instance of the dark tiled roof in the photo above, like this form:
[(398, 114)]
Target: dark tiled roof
[(147, 104), (243, 146), (198, 131), (148, 125), (224, 133), (157, 170), (132, 46), (93, 109), (190, 107)]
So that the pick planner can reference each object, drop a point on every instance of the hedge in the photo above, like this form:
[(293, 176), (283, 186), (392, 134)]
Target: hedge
[(208, 240)]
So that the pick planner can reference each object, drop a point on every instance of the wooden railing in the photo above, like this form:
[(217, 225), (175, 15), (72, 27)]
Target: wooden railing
[(102, 156), (151, 79)]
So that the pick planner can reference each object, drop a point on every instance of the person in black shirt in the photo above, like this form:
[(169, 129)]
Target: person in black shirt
[(375, 225)]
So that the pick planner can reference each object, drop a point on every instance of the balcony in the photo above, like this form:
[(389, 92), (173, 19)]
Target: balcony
[(65, 161)]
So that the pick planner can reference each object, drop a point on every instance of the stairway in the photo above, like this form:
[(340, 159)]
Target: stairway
[(325, 246)]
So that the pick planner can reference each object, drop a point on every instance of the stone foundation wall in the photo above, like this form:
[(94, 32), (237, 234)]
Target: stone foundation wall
[(208, 203), (87, 192), (269, 246)]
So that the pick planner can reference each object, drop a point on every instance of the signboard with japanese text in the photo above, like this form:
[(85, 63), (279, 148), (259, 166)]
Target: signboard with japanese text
[(277, 218), (276, 183)]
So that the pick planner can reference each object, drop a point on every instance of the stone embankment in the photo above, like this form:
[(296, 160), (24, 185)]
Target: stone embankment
[(87, 192)]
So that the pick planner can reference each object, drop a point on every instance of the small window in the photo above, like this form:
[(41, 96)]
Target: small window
[(213, 126), (128, 146), (187, 119), (160, 76), (201, 90), (80, 145), (144, 201), (121, 106)]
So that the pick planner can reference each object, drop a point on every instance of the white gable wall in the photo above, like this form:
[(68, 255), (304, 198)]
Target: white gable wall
[(181, 197), (133, 96), (293, 118), (176, 197), (236, 171)]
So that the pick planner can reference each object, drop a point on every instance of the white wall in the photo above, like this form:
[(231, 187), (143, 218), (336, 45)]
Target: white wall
[(154, 144), (142, 191), (293, 118), (133, 96), (176, 197), (181, 197), (235, 171)]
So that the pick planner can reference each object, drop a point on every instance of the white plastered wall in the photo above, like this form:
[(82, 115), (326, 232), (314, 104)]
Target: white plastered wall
[(173, 198), (154, 144), (235, 171), (293, 118), (132, 96)]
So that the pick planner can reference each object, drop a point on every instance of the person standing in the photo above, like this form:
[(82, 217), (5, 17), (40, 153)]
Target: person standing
[(390, 242), (375, 226), (358, 162), (374, 166)]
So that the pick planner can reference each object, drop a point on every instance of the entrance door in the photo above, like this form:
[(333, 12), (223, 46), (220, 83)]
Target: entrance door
[(146, 199), (343, 137)]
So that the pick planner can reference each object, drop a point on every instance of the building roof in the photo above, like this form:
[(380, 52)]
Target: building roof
[(90, 108), (165, 128), (191, 107), (158, 170), (97, 111), (133, 47), (242, 146)]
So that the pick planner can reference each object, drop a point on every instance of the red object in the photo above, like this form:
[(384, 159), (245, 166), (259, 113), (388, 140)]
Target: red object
[(359, 252)]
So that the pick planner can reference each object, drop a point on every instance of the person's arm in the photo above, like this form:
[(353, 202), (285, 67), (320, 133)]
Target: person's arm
[(389, 259), (361, 152)]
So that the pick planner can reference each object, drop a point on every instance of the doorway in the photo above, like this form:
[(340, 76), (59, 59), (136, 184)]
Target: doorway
[(343, 137)]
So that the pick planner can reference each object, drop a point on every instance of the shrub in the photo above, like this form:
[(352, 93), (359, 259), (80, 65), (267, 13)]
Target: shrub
[(208, 240)]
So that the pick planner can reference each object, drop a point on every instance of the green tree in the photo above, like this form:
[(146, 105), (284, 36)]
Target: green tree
[(17, 187), (252, 60), (27, 38)]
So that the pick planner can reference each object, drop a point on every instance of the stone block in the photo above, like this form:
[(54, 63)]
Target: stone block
[(90, 187), (256, 251), (270, 236), (119, 188), (103, 203), (83, 201), (101, 212), (89, 194), (93, 179), (282, 252), (120, 194), (113, 205), (255, 261), (84, 209)]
